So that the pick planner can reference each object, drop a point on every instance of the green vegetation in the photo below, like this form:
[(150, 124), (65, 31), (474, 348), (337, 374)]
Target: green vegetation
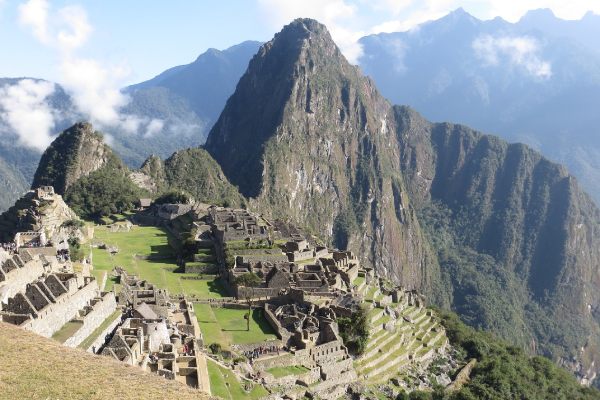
[(279, 372), (225, 384), (75, 251), (103, 192), (73, 223), (249, 279), (355, 330), (227, 326), (66, 331), (145, 251), (506, 372), (197, 173), (491, 296), (173, 197), (60, 161)]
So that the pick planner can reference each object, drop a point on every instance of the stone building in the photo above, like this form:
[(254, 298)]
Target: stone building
[(37, 298), (235, 225), (311, 334), (168, 346), (135, 292)]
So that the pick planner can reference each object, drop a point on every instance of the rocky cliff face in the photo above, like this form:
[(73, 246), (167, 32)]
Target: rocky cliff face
[(494, 230), (12, 182), (76, 153), (529, 215), (307, 138)]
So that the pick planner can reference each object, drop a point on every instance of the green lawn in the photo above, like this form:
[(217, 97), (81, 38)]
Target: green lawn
[(145, 251), (358, 281), (66, 331), (94, 335), (227, 326), (224, 384), (279, 372)]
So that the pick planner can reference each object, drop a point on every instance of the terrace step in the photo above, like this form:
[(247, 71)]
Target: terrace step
[(413, 313), (378, 325), (374, 360), (388, 363), (387, 375), (377, 315), (387, 338), (420, 317)]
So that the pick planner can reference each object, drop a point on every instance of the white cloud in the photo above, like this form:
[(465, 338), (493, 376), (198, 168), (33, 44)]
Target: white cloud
[(154, 127), (521, 51), (34, 14), (93, 86), (95, 89), (25, 109), (75, 28), (66, 29)]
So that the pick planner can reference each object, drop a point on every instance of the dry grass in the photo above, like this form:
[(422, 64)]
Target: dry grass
[(33, 367)]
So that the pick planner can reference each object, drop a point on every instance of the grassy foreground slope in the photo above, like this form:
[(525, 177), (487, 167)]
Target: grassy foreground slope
[(33, 367)]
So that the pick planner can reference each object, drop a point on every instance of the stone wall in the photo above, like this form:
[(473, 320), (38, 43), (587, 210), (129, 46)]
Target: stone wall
[(17, 279), (100, 339), (243, 292), (52, 317), (93, 319)]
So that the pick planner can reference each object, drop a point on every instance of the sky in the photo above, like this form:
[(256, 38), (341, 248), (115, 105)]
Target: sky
[(134, 40), (94, 48)]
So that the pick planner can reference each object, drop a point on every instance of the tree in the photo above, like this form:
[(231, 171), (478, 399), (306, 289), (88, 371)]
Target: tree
[(173, 197), (104, 192), (250, 280), (355, 330)]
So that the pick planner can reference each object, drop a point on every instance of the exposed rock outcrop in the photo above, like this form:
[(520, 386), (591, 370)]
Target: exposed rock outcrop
[(39, 211), (306, 136)]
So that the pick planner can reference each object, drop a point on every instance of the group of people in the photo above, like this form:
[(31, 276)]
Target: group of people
[(63, 255), (9, 247), (262, 350)]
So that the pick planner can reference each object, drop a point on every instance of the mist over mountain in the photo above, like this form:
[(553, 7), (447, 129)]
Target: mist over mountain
[(536, 81), (185, 101)]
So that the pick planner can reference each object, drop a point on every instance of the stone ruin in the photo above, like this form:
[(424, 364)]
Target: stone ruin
[(135, 291), (41, 293), (297, 264), (232, 225), (311, 336), (158, 335), (40, 210)]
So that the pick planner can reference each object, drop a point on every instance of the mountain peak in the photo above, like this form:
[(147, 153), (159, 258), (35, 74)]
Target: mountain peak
[(302, 29), (300, 55), (543, 14), (76, 152), (460, 14)]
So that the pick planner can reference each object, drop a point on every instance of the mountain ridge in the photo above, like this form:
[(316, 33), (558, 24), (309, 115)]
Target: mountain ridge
[(329, 152), (328, 186)]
